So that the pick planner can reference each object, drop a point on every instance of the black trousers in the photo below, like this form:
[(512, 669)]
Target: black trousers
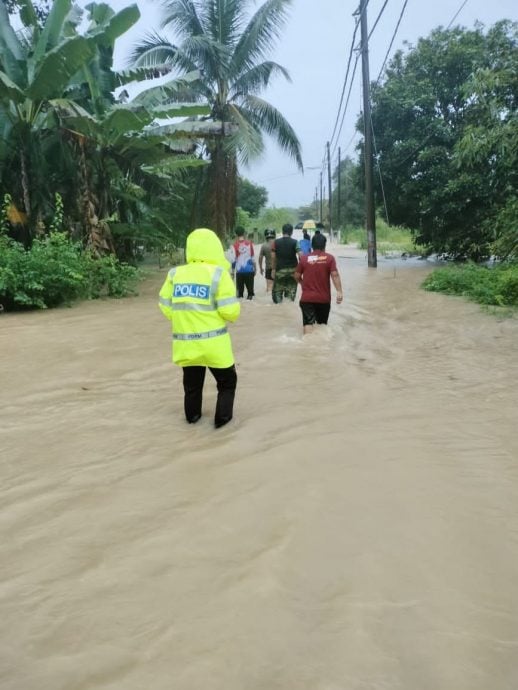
[(243, 279), (193, 379)]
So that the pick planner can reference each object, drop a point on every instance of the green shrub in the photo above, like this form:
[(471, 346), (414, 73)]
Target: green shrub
[(497, 285), (389, 238), (56, 271), (505, 229)]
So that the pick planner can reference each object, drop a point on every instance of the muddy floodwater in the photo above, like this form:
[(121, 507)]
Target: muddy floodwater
[(354, 528)]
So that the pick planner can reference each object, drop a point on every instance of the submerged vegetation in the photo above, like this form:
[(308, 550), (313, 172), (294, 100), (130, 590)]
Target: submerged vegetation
[(495, 285), (57, 271), (390, 239)]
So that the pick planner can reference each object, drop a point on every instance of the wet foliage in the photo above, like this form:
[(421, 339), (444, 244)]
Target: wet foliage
[(57, 271), (496, 285)]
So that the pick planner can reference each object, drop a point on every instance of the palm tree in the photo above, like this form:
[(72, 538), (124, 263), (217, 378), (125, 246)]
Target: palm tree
[(229, 49)]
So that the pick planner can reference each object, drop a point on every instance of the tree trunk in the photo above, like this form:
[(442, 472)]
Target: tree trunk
[(222, 190), (25, 184), (97, 233)]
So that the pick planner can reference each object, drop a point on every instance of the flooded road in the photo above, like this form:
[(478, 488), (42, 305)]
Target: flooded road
[(354, 528)]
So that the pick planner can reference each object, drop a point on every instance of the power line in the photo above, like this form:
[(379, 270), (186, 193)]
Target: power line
[(346, 148), (379, 172), (346, 104), (345, 80), (292, 174), (392, 40), (377, 19), (457, 14)]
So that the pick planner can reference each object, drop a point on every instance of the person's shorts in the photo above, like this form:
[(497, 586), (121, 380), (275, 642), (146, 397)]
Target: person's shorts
[(315, 312), (268, 273)]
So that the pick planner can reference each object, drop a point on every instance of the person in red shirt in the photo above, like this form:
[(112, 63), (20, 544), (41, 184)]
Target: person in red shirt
[(315, 273)]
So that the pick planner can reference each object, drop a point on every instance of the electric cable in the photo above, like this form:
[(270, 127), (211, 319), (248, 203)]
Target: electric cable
[(379, 172), (346, 104), (345, 81), (377, 19), (457, 14), (392, 40)]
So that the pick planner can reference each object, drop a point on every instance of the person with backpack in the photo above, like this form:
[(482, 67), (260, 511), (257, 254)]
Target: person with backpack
[(244, 264), (266, 255)]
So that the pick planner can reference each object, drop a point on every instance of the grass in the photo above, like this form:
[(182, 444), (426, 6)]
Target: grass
[(389, 239), (491, 286)]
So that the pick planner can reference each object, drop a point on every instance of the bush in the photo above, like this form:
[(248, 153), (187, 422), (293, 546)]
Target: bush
[(389, 238), (497, 285), (505, 229), (56, 271)]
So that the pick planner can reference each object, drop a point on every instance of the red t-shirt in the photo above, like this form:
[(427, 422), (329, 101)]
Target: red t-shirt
[(316, 269)]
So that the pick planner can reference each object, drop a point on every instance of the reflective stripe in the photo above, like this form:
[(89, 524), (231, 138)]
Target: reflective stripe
[(215, 282), (191, 306), (171, 274), (166, 302), (227, 300), (199, 336)]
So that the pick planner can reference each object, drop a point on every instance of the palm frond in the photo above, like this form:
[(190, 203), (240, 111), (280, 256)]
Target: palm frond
[(208, 55), (152, 50), (206, 48), (185, 18), (129, 76), (259, 35), (267, 118), (226, 20), (248, 140), (257, 78), (188, 88)]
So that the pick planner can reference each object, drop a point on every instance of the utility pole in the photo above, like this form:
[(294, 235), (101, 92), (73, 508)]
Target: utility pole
[(370, 213), (330, 192), (315, 203), (339, 201), (320, 196)]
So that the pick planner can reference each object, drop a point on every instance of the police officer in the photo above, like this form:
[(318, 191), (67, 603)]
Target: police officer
[(199, 298)]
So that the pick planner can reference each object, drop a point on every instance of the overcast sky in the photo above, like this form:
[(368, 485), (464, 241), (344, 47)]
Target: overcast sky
[(314, 49)]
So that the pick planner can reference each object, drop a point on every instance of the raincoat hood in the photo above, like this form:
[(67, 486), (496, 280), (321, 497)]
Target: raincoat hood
[(204, 245)]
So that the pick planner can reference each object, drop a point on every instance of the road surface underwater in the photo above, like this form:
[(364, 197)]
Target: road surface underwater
[(354, 528)]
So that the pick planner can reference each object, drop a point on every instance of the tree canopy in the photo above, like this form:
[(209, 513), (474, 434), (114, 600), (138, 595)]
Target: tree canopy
[(446, 129), (251, 197)]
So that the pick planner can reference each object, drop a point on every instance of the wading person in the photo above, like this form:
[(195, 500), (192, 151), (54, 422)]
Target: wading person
[(284, 262), (305, 243), (265, 255), (315, 273), (245, 264), (199, 298)]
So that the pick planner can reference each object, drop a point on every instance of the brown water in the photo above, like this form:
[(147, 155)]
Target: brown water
[(355, 527)]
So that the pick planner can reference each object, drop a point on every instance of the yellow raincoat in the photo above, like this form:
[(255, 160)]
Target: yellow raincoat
[(199, 298)]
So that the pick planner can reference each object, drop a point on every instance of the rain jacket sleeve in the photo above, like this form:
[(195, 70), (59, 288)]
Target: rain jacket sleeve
[(226, 301), (164, 298)]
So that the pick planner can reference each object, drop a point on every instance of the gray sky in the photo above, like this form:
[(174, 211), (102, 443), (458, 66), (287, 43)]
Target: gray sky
[(314, 49)]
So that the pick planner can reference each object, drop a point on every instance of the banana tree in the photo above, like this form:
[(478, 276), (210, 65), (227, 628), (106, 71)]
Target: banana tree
[(36, 67), (124, 160)]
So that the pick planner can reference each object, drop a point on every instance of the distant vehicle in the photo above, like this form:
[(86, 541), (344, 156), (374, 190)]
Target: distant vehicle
[(299, 226)]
